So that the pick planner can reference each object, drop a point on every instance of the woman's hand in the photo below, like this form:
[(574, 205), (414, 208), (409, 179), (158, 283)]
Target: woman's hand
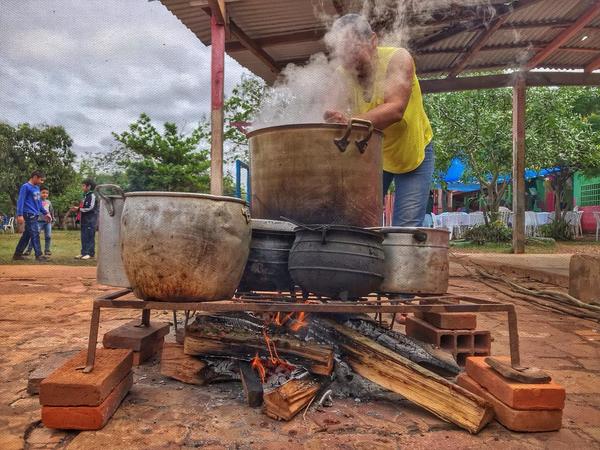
[(331, 116)]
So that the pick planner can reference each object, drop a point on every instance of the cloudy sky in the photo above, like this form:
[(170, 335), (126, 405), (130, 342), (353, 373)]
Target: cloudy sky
[(93, 66)]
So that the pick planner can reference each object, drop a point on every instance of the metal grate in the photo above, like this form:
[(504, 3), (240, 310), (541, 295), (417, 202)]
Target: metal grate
[(590, 195)]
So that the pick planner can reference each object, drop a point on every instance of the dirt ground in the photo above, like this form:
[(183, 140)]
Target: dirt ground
[(46, 309)]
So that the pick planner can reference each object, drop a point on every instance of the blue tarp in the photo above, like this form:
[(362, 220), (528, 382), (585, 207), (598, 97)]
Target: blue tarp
[(457, 168)]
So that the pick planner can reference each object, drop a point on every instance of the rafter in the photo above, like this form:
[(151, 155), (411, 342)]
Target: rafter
[(479, 42), (566, 35), (253, 47), (593, 64), (280, 39)]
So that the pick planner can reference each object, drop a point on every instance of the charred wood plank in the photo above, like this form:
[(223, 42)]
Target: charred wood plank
[(417, 384), (251, 384)]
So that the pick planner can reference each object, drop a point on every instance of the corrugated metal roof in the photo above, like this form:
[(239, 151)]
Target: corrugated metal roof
[(288, 30)]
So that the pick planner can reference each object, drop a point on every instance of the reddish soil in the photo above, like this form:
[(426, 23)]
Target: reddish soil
[(47, 309)]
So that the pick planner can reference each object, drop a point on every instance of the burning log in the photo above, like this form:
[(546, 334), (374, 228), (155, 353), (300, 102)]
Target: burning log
[(252, 384), (284, 402), (216, 336), (417, 384)]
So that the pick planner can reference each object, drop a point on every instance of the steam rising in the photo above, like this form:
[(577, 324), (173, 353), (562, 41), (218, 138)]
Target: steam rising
[(303, 93)]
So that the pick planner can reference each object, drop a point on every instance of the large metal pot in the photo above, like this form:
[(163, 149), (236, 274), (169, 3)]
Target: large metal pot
[(318, 173), (267, 266), (184, 246), (416, 260), (337, 261), (110, 270)]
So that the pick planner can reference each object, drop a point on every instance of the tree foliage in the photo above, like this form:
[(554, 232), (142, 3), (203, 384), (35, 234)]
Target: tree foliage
[(25, 148), (170, 161)]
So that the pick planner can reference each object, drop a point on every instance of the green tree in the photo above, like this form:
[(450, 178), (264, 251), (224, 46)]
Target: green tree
[(170, 161), (475, 126), (562, 133), (25, 148)]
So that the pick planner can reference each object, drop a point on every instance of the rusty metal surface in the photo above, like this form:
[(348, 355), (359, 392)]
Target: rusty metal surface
[(299, 172), (184, 246)]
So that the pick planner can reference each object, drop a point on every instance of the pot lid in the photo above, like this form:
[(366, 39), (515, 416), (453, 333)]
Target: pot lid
[(221, 198), (272, 225)]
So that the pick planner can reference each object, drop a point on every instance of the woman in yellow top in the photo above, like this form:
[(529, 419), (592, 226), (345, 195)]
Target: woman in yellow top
[(382, 87)]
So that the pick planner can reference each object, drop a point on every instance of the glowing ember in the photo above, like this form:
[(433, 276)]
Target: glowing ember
[(300, 322), (258, 366)]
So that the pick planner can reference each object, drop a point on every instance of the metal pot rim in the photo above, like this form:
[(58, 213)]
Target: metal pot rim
[(388, 230), (318, 228), (185, 195), (267, 225), (295, 126)]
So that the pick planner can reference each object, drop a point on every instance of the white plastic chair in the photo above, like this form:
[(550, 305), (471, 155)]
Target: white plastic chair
[(437, 220), (573, 218), (10, 225), (476, 218), (597, 217)]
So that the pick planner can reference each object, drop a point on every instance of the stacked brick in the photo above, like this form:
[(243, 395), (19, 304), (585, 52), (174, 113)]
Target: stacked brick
[(518, 406), (73, 400), (453, 332), (145, 341)]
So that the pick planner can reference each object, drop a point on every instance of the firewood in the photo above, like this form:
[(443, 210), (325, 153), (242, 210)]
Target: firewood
[(284, 402), (252, 385), (417, 384), (223, 340), (176, 364)]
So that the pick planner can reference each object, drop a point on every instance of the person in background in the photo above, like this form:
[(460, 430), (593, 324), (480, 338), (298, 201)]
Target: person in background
[(382, 87), (88, 212), (29, 208), (44, 226)]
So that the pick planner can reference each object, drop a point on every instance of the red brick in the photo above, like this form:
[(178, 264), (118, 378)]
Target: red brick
[(67, 386), (135, 338), (87, 417), (516, 395), (514, 419), (449, 320), (455, 341), (148, 352)]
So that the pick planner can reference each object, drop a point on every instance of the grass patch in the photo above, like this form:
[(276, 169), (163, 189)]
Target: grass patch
[(65, 245)]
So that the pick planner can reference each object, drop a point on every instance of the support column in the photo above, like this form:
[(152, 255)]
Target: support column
[(217, 75), (518, 174)]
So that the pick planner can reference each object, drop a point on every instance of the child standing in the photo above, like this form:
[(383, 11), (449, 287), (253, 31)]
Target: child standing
[(89, 218), (29, 208), (44, 226)]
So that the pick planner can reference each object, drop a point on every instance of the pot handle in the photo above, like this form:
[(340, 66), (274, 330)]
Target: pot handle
[(343, 142), (108, 200)]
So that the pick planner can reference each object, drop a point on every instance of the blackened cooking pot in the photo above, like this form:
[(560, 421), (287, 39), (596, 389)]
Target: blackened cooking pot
[(337, 261)]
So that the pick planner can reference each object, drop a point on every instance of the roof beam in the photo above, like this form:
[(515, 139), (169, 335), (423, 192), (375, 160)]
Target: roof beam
[(565, 36), (534, 45), (339, 7), (218, 11), (507, 80), (478, 44), (280, 39), (253, 47), (593, 65)]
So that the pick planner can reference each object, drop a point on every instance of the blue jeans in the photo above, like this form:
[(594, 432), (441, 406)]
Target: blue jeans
[(88, 236), (31, 233), (46, 227), (411, 192)]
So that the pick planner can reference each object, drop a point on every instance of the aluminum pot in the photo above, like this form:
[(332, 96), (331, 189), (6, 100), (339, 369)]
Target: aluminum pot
[(416, 260), (318, 173), (110, 270), (337, 261), (184, 246), (267, 266)]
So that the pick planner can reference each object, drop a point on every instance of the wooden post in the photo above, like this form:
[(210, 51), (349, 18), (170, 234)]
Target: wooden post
[(518, 175), (217, 72)]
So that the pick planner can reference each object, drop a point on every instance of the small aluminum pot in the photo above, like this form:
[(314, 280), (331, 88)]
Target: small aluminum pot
[(416, 260)]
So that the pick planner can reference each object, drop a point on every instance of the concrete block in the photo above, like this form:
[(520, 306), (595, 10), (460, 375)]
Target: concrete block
[(68, 386), (87, 417), (449, 320), (514, 419), (516, 395), (46, 367), (584, 277), (135, 338)]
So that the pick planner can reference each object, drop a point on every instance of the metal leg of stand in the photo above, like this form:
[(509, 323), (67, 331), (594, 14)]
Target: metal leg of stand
[(513, 337), (93, 340), (145, 318)]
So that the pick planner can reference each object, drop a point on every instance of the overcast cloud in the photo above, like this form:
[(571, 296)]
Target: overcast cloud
[(93, 66)]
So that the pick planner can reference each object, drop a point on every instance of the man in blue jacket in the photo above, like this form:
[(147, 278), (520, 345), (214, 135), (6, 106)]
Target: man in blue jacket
[(29, 207)]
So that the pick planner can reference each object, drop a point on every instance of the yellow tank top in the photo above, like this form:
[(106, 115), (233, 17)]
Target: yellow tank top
[(404, 142)]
